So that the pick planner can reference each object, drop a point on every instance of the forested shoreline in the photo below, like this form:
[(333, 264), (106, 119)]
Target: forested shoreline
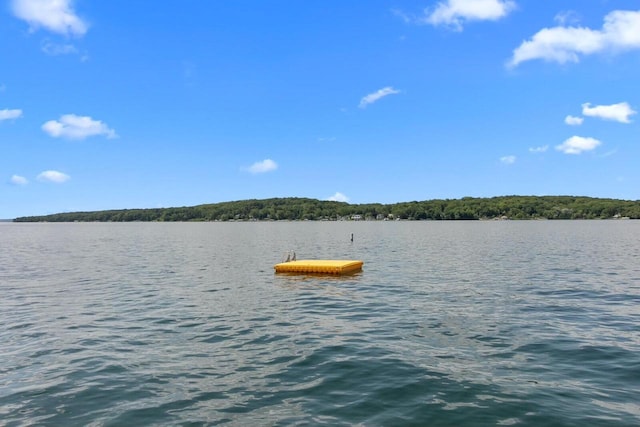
[(294, 208)]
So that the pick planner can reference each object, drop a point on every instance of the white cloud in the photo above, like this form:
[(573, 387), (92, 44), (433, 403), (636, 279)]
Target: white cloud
[(55, 49), (508, 160), (263, 166), (77, 127), (616, 112), (573, 121), (18, 180), (567, 17), (578, 144), (540, 149), (7, 114), (53, 176), (406, 18), (57, 16), (454, 12), (189, 72), (338, 197), (375, 96), (327, 139), (620, 31)]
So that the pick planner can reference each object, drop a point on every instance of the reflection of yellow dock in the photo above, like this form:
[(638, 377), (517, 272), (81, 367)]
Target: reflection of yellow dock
[(319, 266)]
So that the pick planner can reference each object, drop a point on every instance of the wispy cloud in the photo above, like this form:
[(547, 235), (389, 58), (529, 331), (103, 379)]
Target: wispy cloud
[(540, 149), (53, 176), (454, 13), (609, 153), (7, 114), (567, 17), (327, 139), (620, 32), (338, 197), (377, 95), (266, 165), (56, 16), (508, 160), (189, 72), (56, 49), (18, 180), (616, 112), (405, 17), (72, 126), (578, 144), (573, 121)]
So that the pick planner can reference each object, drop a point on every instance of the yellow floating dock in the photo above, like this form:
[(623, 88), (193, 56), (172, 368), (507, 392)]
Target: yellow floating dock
[(319, 266)]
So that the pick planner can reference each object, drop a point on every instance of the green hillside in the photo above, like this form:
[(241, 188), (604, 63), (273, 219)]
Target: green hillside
[(467, 208)]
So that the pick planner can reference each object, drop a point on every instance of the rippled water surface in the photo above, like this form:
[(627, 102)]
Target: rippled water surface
[(449, 324)]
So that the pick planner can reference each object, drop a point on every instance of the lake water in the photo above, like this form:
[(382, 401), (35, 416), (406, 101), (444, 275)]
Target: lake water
[(523, 323)]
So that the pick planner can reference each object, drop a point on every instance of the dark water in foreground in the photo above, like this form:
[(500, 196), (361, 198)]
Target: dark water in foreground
[(449, 324)]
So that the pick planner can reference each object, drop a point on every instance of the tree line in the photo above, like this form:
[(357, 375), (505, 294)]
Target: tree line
[(294, 208)]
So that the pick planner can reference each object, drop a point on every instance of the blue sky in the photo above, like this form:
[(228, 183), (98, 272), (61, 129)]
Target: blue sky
[(120, 104)]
